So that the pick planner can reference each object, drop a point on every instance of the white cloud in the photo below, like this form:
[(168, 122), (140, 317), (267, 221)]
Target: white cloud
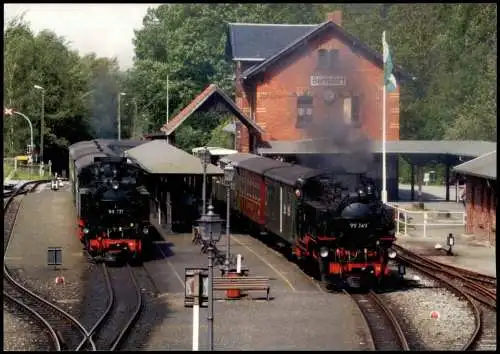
[(106, 29)]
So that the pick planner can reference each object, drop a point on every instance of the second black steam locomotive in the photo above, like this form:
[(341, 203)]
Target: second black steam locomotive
[(111, 200)]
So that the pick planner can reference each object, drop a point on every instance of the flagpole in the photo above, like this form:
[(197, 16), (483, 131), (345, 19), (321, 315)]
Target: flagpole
[(384, 162)]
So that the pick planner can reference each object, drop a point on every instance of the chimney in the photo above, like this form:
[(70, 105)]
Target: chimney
[(336, 17)]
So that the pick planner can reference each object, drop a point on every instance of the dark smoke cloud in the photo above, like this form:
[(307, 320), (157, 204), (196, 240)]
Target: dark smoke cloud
[(330, 133), (104, 107)]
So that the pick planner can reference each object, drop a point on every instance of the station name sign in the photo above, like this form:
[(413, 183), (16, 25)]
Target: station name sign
[(321, 80)]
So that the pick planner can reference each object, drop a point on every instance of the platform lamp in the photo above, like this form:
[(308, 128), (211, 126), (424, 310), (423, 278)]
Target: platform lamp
[(229, 173), (210, 230), (204, 155)]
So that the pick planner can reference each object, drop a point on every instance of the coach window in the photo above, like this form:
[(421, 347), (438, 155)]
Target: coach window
[(304, 110)]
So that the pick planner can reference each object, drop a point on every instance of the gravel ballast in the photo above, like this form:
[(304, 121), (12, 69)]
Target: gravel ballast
[(453, 328)]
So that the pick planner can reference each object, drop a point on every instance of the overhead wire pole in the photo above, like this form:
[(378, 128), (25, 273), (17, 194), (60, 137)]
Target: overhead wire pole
[(384, 160), (42, 120), (168, 111), (119, 118)]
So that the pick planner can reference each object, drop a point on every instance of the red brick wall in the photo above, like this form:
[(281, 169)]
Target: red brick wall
[(276, 102), (243, 101), (481, 203)]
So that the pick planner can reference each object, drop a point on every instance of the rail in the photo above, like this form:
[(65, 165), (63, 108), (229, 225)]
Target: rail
[(114, 315), (24, 297), (411, 219), (385, 330), (481, 299)]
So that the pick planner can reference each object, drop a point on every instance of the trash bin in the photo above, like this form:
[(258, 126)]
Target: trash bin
[(233, 293)]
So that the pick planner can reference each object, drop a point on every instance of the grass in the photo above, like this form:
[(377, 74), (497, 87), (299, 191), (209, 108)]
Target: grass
[(26, 175), (7, 168)]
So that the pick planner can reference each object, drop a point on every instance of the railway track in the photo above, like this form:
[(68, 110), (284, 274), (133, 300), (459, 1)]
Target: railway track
[(471, 282), (122, 310), (466, 284), (64, 330), (386, 333)]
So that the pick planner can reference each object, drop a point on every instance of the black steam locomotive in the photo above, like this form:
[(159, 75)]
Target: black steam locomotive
[(332, 219), (111, 200)]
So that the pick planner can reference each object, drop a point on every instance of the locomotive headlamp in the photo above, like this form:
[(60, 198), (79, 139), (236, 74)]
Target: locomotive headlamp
[(85, 231), (115, 185), (369, 190), (391, 253), (145, 231), (297, 193), (323, 252), (120, 229), (115, 172), (361, 193), (131, 224)]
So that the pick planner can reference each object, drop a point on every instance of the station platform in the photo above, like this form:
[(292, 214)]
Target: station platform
[(299, 315), (467, 252)]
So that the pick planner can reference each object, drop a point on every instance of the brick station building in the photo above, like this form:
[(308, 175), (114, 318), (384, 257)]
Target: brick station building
[(481, 195), (289, 76)]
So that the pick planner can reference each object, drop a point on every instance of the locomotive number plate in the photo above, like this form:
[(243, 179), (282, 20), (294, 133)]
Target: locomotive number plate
[(358, 225)]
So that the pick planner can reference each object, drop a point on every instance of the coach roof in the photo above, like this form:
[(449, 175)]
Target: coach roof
[(260, 164), (236, 159), (289, 174)]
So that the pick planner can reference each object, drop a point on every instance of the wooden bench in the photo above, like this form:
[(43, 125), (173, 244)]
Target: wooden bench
[(243, 283)]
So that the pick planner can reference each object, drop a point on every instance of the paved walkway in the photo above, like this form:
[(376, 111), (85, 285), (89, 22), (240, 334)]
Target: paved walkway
[(467, 252), (300, 316)]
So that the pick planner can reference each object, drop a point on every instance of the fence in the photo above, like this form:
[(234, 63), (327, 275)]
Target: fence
[(14, 169), (422, 221)]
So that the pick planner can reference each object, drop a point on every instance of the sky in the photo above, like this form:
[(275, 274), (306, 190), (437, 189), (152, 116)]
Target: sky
[(106, 29)]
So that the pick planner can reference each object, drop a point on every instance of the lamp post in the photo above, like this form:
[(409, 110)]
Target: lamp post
[(119, 115), (210, 230), (228, 179), (42, 120), (204, 156), (10, 112)]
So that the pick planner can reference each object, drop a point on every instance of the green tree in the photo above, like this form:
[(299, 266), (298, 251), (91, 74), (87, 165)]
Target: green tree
[(187, 42)]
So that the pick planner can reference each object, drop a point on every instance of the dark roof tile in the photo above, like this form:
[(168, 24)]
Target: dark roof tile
[(257, 42)]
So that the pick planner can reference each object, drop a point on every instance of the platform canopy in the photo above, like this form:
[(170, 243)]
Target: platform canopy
[(215, 151), (160, 157), (470, 148), (484, 166)]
